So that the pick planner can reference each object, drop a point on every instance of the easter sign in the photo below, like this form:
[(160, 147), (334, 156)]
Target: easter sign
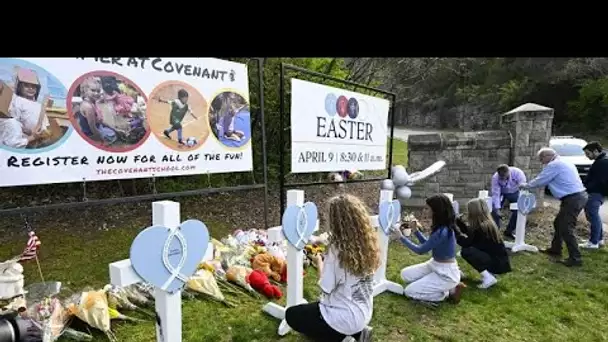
[(336, 129)]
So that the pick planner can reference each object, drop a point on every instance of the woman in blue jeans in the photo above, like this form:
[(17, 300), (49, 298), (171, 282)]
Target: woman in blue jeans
[(596, 184)]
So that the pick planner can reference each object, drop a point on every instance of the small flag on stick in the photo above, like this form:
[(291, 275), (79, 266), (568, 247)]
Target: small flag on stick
[(31, 249)]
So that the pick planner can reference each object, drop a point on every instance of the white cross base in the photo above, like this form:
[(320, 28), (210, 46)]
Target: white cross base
[(295, 268), (520, 233), (168, 306), (381, 284)]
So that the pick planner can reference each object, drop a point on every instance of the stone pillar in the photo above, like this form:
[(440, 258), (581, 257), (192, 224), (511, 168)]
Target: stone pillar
[(530, 127)]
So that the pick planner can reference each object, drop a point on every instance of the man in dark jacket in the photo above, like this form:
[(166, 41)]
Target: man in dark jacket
[(597, 188)]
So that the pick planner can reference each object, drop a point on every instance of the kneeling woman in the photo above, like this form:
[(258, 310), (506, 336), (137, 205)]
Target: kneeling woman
[(346, 281), (481, 244), (438, 278)]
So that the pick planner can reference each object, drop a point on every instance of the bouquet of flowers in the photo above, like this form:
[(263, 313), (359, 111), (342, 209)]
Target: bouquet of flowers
[(92, 308), (203, 282), (118, 300)]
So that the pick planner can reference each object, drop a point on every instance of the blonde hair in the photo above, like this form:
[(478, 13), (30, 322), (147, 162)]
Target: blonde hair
[(89, 83), (352, 236), (480, 219)]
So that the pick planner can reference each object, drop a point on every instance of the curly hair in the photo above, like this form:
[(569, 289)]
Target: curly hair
[(352, 236)]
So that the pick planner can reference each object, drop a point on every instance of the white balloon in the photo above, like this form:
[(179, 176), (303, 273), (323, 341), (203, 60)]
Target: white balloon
[(397, 167), (387, 184), (403, 192), (400, 177)]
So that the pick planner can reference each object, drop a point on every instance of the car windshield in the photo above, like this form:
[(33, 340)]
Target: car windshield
[(569, 150)]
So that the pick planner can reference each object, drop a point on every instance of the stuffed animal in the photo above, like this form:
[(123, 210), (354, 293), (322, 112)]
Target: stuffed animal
[(272, 266), (275, 250), (259, 281)]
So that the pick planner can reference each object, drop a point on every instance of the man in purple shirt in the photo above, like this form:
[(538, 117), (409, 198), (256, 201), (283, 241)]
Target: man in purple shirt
[(505, 187)]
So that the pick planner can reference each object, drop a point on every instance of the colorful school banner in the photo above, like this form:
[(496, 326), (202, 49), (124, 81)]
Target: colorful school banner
[(87, 119), (334, 129)]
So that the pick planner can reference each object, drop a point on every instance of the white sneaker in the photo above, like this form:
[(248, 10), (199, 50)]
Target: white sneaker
[(349, 339), (601, 243), (589, 245), (488, 282)]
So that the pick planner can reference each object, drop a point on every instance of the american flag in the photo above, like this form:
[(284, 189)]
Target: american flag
[(31, 248)]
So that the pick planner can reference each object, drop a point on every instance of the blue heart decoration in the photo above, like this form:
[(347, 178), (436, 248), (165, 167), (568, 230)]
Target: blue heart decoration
[(299, 223), (166, 258), (388, 215), (526, 202)]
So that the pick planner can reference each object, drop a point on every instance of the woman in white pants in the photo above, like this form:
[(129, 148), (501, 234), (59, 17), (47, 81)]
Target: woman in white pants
[(438, 278)]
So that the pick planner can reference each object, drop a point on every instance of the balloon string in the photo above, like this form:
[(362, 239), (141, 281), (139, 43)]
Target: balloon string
[(174, 271)]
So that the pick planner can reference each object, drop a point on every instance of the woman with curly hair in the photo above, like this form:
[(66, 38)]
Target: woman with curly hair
[(346, 280), (439, 277)]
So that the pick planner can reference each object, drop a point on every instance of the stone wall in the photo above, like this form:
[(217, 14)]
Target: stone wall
[(432, 116), (472, 157)]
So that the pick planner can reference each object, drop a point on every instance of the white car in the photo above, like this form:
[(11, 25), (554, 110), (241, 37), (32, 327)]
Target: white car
[(571, 149)]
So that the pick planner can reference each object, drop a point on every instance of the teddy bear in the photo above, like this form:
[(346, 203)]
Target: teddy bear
[(272, 266), (259, 281)]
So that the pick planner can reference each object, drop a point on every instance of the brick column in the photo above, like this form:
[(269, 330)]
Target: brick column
[(530, 126)]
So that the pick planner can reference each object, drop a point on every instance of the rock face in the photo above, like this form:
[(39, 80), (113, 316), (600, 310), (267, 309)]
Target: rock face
[(472, 157)]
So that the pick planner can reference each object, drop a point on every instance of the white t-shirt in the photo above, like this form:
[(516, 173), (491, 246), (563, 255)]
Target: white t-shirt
[(11, 133), (347, 301), (28, 113)]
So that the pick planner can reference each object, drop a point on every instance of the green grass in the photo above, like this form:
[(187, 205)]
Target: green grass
[(540, 301), (399, 152)]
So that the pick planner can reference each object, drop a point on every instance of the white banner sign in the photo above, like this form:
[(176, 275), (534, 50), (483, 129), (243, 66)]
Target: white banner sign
[(74, 119), (334, 129)]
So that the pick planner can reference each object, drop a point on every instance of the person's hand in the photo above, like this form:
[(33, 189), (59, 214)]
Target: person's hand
[(523, 186), (496, 212), (396, 233), (317, 260), (418, 225)]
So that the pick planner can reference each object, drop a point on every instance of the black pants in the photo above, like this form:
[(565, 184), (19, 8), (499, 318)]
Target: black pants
[(565, 222), (482, 261), (307, 320)]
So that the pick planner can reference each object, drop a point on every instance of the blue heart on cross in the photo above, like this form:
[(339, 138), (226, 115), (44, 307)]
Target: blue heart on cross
[(299, 223), (167, 258), (388, 215), (526, 202)]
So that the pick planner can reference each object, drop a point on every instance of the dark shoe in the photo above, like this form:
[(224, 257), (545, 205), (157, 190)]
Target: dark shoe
[(571, 262), (509, 236), (456, 293), (166, 133), (551, 252)]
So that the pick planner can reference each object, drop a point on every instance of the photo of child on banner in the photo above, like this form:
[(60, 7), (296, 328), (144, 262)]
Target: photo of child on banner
[(177, 115), (230, 119), (108, 111), (31, 103)]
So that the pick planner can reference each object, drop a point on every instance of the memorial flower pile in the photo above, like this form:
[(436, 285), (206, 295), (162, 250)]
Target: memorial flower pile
[(244, 264)]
